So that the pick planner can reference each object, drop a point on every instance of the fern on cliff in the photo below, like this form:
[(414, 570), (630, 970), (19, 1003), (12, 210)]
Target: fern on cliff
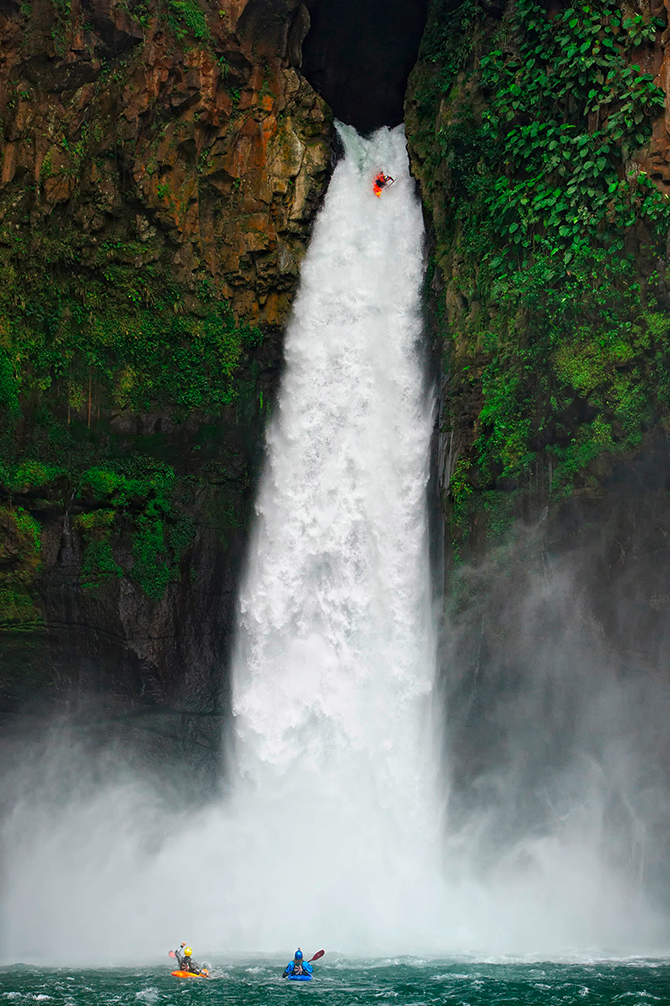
[(531, 132)]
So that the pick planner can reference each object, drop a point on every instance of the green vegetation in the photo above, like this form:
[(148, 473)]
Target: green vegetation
[(9, 399), (98, 562), (184, 17), (28, 475), (147, 492), (123, 330), (86, 332), (548, 235), (20, 548), (134, 500)]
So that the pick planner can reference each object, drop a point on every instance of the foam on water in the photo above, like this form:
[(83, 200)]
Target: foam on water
[(407, 983)]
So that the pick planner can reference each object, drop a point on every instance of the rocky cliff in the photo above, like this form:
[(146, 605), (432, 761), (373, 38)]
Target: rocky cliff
[(539, 137), (161, 166)]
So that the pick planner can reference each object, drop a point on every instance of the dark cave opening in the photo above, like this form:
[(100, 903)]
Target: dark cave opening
[(358, 56)]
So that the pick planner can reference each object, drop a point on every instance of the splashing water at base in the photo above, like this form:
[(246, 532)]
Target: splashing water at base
[(331, 834), (404, 981)]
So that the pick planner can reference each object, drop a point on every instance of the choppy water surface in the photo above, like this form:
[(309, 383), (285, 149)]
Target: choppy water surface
[(412, 982)]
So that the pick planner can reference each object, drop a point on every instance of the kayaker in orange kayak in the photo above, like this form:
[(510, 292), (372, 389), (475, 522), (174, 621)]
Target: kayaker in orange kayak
[(185, 961), (381, 182)]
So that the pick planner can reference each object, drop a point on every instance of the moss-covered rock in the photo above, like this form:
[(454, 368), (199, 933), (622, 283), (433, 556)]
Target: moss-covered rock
[(534, 134), (162, 163), (538, 135)]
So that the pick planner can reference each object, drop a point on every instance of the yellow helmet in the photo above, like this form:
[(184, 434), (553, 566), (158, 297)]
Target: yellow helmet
[(187, 951)]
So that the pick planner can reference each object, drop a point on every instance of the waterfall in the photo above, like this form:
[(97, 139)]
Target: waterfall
[(329, 832), (336, 650), (335, 660)]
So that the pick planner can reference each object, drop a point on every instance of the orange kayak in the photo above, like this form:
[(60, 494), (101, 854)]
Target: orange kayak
[(188, 974)]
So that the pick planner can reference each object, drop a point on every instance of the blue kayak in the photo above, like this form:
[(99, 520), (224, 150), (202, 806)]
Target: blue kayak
[(299, 978)]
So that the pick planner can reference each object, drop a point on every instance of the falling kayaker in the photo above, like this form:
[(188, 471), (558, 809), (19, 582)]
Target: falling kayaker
[(381, 182), (185, 962), (298, 966)]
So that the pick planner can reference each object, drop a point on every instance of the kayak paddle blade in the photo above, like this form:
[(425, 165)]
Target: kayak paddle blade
[(172, 954), (316, 956)]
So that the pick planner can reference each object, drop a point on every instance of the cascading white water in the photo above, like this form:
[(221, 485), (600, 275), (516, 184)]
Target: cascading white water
[(329, 835), (336, 652), (332, 820)]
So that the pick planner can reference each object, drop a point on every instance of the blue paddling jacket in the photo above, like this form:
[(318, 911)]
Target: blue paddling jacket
[(306, 967)]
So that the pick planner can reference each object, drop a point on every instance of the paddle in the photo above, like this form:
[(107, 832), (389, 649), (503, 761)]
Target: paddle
[(172, 954), (316, 956)]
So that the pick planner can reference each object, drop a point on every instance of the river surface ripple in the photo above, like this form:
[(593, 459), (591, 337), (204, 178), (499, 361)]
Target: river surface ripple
[(409, 982)]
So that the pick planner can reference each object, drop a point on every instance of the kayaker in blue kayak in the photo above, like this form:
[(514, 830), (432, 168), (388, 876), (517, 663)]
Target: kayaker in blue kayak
[(298, 966)]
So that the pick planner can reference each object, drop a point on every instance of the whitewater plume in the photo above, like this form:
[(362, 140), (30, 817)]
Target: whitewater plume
[(330, 830), (335, 660)]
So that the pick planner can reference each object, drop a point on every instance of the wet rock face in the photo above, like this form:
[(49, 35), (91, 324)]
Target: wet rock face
[(555, 650), (215, 149), (160, 166), (359, 55)]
